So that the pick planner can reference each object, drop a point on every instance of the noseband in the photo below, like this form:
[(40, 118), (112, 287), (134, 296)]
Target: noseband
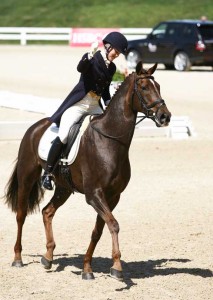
[(148, 112)]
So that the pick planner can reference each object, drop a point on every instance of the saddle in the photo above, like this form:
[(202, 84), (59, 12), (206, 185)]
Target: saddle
[(70, 150)]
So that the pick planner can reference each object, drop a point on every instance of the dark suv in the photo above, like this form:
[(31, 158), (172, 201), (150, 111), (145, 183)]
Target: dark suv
[(176, 44)]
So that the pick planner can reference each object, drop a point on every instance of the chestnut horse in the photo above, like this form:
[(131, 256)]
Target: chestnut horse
[(101, 170)]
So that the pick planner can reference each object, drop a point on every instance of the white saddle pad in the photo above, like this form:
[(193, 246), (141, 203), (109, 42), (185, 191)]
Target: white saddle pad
[(46, 142)]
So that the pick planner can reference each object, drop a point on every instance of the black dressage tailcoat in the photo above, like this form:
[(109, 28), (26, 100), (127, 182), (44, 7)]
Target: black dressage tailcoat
[(95, 76)]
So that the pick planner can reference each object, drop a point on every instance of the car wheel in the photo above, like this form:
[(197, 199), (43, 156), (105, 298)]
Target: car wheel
[(133, 57), (182, 62)]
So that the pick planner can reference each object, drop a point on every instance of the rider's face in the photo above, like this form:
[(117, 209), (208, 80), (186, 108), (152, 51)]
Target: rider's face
[(113, 54)]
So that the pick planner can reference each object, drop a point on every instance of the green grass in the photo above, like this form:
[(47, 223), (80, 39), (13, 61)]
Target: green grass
[(96, 13)]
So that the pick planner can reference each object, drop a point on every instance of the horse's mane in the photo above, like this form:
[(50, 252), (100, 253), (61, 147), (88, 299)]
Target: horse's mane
[(123, 83), (115, 95), (126, 80)]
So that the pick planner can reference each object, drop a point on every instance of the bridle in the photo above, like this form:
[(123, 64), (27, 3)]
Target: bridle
[(147, 109), (149, 113)]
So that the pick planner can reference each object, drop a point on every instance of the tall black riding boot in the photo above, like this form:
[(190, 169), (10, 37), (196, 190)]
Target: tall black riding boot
[(52, 159)]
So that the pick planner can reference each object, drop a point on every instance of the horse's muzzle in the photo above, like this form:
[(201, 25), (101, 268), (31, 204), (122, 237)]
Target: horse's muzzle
[(163, 119)]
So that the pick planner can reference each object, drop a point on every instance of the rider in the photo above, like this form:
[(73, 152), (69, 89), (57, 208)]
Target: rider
[(97, 69)]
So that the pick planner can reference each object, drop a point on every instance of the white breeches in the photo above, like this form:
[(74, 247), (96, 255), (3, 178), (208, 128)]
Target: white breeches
[(89, 105)]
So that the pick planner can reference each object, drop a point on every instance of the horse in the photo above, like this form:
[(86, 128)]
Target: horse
[(101, 170)]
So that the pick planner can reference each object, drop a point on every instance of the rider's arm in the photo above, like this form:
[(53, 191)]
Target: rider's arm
[(84, 64), (86, 59)]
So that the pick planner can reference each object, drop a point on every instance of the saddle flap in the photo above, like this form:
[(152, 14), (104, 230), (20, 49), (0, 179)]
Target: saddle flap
[(46, 141)]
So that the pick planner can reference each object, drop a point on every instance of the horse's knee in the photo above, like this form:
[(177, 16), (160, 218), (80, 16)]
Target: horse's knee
[(48, 210), (114, 226)]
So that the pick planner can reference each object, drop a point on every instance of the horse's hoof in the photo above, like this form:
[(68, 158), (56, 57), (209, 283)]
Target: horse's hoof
[(116, 274), (17, 263), (87, 276), (47, 264)]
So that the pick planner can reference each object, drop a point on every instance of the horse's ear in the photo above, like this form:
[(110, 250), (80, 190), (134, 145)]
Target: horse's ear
[(139, 67), (152, 69)]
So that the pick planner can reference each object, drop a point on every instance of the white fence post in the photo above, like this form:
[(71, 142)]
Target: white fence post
[(23, 37)]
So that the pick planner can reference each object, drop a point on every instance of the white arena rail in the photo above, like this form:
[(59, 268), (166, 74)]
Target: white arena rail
[(180, 127), (24, 34), (135, 33)]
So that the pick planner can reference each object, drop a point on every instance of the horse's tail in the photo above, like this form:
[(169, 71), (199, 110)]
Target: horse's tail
[(11, 193)]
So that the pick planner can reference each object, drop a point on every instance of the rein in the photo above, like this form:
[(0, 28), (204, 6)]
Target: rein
[(149, 114), (116, 138)]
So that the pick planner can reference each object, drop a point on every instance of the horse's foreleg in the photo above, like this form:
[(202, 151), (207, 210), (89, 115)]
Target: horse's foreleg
[(104, 216), (59, 198)]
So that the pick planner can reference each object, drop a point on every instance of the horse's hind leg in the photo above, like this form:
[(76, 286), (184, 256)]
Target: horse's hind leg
[(20, 219), (26, 189), (59, 198), (96, 235)]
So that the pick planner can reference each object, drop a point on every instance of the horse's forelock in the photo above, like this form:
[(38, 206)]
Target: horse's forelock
[(144, 72)]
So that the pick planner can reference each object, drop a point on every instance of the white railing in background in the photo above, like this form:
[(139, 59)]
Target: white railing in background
[(24, 34), (135, 33)]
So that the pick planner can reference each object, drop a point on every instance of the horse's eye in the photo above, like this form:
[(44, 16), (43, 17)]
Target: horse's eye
[(143, 88)]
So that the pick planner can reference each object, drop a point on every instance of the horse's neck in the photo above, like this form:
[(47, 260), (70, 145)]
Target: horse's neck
[(121, 103), (119, 119)]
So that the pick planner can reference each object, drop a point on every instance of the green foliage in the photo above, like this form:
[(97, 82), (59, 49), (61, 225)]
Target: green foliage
[(99, 13), (118, 76)]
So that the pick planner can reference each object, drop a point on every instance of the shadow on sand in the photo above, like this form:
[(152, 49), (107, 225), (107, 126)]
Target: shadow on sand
[(131, 270)]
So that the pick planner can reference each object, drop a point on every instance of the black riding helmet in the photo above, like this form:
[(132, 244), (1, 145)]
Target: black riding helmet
[(117, 40)]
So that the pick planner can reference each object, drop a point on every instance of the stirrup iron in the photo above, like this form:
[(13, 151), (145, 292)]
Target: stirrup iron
[(47, 180)]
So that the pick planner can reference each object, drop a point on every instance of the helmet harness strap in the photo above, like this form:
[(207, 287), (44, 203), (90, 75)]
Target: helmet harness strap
[(108, 48)]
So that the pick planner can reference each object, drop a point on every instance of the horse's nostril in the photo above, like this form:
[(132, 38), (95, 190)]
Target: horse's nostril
[(164, 118)]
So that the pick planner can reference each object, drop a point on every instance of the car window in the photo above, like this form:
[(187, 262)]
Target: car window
[(206, 32), (160, 31), (172, 31), (188, 31)]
